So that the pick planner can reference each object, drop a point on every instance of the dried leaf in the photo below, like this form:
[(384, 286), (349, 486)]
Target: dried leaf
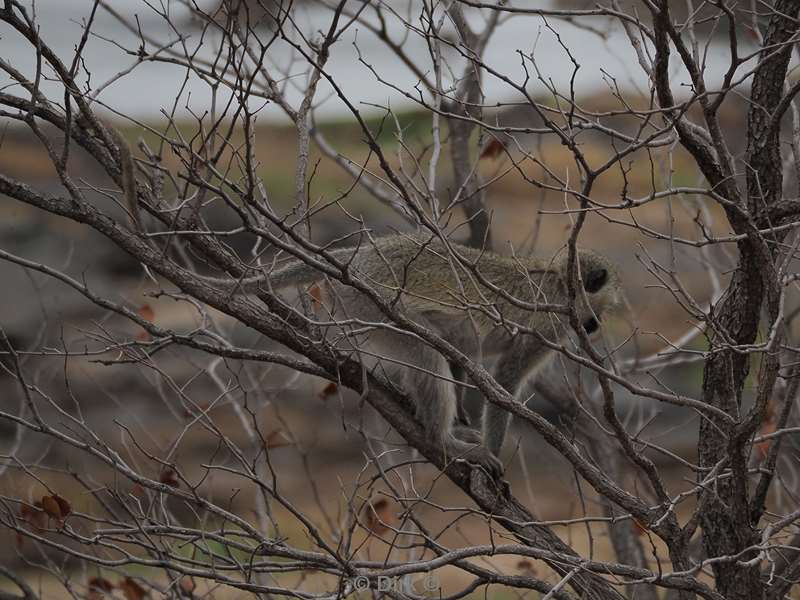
[(34, 516), (101, 584), (187, 585), (148, 314), (378, 516), (493, 148), (131, 589), (170, 478), (25, 511), (99, 588), (639, 528), (63, 505), (770, 411), (328, 391), (762, 447), (316, 293), (526, 566), (277, 439), (52, 508)]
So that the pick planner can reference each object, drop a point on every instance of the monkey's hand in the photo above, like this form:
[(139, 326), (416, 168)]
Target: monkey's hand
[(468, 434), (474, 453)]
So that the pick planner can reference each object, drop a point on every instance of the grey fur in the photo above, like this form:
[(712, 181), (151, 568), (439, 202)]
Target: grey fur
[(435, 291)]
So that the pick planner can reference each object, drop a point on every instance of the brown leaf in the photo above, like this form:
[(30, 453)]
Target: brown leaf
[(131, 589), (493, 149), (148, 314), (316, 293), (99, 583), (170, 478), (34, 515), (187, 585), (771, 410), (52, 508), (526, 566), (639, 528), (328, 391), (25, 511), (378, 516), (762, 447), (277, 439), (63, 505)]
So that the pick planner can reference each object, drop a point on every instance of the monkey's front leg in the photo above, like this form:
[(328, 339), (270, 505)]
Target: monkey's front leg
[(476, 453), (514, 367), (463, 417)]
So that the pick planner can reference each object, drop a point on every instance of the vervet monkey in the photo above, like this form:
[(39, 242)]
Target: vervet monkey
[(439, 293)]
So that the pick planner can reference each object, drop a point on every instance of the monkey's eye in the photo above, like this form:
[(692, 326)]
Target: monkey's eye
[(591, 325), (595, 280)]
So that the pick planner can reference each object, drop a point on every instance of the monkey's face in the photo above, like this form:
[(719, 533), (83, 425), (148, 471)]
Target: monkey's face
[(601, 290), (593, 283)]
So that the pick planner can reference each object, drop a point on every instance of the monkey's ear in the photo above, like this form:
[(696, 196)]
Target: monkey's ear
[(595, 279)]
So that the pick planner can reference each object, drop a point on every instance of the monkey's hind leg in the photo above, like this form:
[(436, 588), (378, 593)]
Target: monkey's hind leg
[(437, 405), (495, 425), (463, 417)]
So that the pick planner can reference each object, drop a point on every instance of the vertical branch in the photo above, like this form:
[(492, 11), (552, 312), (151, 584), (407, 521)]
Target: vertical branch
[(466, 103), (725, 513)]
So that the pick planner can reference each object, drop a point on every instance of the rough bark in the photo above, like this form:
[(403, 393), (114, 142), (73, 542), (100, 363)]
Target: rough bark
[(726, 519)]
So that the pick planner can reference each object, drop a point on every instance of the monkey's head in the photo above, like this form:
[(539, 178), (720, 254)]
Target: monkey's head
[(601, 293)]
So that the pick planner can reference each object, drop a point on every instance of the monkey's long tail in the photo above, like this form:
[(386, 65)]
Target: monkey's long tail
[(295, 273)]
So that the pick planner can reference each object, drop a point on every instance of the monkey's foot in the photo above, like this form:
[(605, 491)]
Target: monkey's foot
[(477, 454), (468, 434)]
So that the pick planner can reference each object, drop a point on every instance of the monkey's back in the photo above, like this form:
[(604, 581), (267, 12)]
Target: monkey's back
[(439, 285), (427, 276)]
